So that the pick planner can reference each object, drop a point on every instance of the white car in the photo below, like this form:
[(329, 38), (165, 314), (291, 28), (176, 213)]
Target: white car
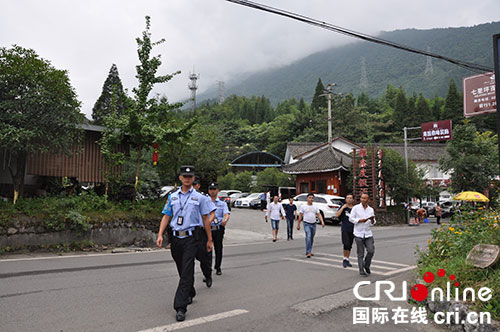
[(235, 196), (245, 201), (328, 205), (165, 190)]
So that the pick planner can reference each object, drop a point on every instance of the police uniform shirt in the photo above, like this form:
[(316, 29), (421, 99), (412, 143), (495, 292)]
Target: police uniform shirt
[(220, 211), (191, 206)]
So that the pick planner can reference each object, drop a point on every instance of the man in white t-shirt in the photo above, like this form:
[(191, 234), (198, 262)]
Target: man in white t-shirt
[(363, 217), (276, 212), (308, 213)]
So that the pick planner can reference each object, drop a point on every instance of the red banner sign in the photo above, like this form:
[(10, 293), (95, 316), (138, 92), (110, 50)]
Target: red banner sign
[(479, 95), (436, 131)]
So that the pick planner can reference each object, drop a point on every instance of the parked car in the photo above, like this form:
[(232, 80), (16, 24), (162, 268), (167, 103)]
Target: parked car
[(328, 205), (283, 192), (448, 207), (229, 192), (430, 207), (235, 196), (223, 196), (245, 201), (166, 190)]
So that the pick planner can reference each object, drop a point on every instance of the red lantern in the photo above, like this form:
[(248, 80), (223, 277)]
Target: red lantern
[(155, 153)]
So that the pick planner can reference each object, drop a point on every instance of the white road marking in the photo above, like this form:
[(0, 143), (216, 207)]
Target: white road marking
[(196, 321), (375, 268), (373, 260)]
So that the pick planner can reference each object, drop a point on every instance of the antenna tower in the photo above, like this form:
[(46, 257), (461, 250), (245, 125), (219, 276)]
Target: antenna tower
[(193, 87), (221, 91)]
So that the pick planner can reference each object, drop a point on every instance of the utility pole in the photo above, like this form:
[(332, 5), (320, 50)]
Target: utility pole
[(328, 93), (406, 139)]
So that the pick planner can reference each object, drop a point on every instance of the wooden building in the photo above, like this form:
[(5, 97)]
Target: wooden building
[(86, 163), (319, 167)]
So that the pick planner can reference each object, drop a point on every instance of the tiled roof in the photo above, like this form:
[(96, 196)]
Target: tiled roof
[(325, 160), (298, 148), (419, 151)]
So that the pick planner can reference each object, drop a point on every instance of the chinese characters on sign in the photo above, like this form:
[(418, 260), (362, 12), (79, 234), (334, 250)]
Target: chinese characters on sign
[(368, 178), (361, 315), (479, 94), (436, 131)]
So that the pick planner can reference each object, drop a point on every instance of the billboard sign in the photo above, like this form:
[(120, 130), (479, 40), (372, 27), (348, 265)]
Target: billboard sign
[(437, 131), (479, 94)]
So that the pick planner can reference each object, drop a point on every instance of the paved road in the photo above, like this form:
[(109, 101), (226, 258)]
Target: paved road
[(265, 286)]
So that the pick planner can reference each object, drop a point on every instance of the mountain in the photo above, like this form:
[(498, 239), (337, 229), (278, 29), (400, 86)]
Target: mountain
[(383, 66)]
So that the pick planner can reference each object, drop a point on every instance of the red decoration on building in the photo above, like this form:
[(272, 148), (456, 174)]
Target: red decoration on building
[(155, 153)]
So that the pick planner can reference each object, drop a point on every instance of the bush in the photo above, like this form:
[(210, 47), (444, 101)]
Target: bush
[(449, 246)]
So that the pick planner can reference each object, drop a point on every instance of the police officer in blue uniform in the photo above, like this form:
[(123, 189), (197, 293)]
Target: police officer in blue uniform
[(218, 224), (185, 211), (203, 256)]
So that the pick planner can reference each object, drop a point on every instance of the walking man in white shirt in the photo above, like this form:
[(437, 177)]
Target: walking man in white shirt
[(363, 218), (308, 213), (276, 212)]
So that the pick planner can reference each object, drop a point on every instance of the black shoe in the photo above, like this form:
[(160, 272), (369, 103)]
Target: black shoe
[(362, 274), (274, 240), (348, 263), (180, 315), (190, 300), (368, 271), (344, 263), (208, 281), (219, 272)]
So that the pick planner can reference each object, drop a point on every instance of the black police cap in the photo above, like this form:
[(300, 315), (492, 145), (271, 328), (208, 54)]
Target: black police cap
[(213, 185), (196, 180), (187, 170)]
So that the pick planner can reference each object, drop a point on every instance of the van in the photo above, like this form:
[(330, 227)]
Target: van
[(283, 192)]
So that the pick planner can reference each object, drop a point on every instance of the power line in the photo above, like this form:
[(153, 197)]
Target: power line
[(468, 65)]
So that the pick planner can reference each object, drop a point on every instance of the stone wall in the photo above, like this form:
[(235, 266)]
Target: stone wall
[(25, 232), (390, 217)]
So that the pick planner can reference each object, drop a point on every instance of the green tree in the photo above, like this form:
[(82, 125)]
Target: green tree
[(472, 158), (147, 123), (112, 98), (399, 184), (39, 111), (319, 102), (273, 177), (226, 181), (243, 181), (453, 105), (400, 110), (423, 110)]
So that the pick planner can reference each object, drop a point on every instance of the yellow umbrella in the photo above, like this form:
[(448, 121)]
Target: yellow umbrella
[(471, 196)]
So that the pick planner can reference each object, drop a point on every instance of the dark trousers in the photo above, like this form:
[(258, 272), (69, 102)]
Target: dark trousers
[(184, 252), (369, 244), (204, 257), (438, 219), (218, 237), (289, 228)]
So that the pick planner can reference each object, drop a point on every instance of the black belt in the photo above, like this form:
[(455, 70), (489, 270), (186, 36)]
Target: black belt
[(188, 232), (215, 227)]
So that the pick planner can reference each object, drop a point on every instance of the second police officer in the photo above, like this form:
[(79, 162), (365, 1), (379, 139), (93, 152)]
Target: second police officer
[(186, 212), (203, 256), (218, 224)]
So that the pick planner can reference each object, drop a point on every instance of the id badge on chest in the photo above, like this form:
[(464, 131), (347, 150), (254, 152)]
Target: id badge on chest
[(216, 221), (180, 220)]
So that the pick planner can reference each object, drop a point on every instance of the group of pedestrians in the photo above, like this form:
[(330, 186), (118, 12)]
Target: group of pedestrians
[(357, 221), (195, 224)]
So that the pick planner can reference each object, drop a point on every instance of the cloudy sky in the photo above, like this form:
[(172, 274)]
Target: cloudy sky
[(217, 38)]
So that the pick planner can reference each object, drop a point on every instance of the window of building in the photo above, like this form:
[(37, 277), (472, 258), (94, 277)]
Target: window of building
[(304, 187), (321, 187)]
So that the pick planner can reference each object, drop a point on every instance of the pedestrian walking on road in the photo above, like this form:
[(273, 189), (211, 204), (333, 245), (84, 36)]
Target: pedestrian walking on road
[(438, 213), (185, 212), (263, 202), (363, 217), (309, 213), (218, 225), (275, 212), (203, 256), (291, 215), (346, 229)]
